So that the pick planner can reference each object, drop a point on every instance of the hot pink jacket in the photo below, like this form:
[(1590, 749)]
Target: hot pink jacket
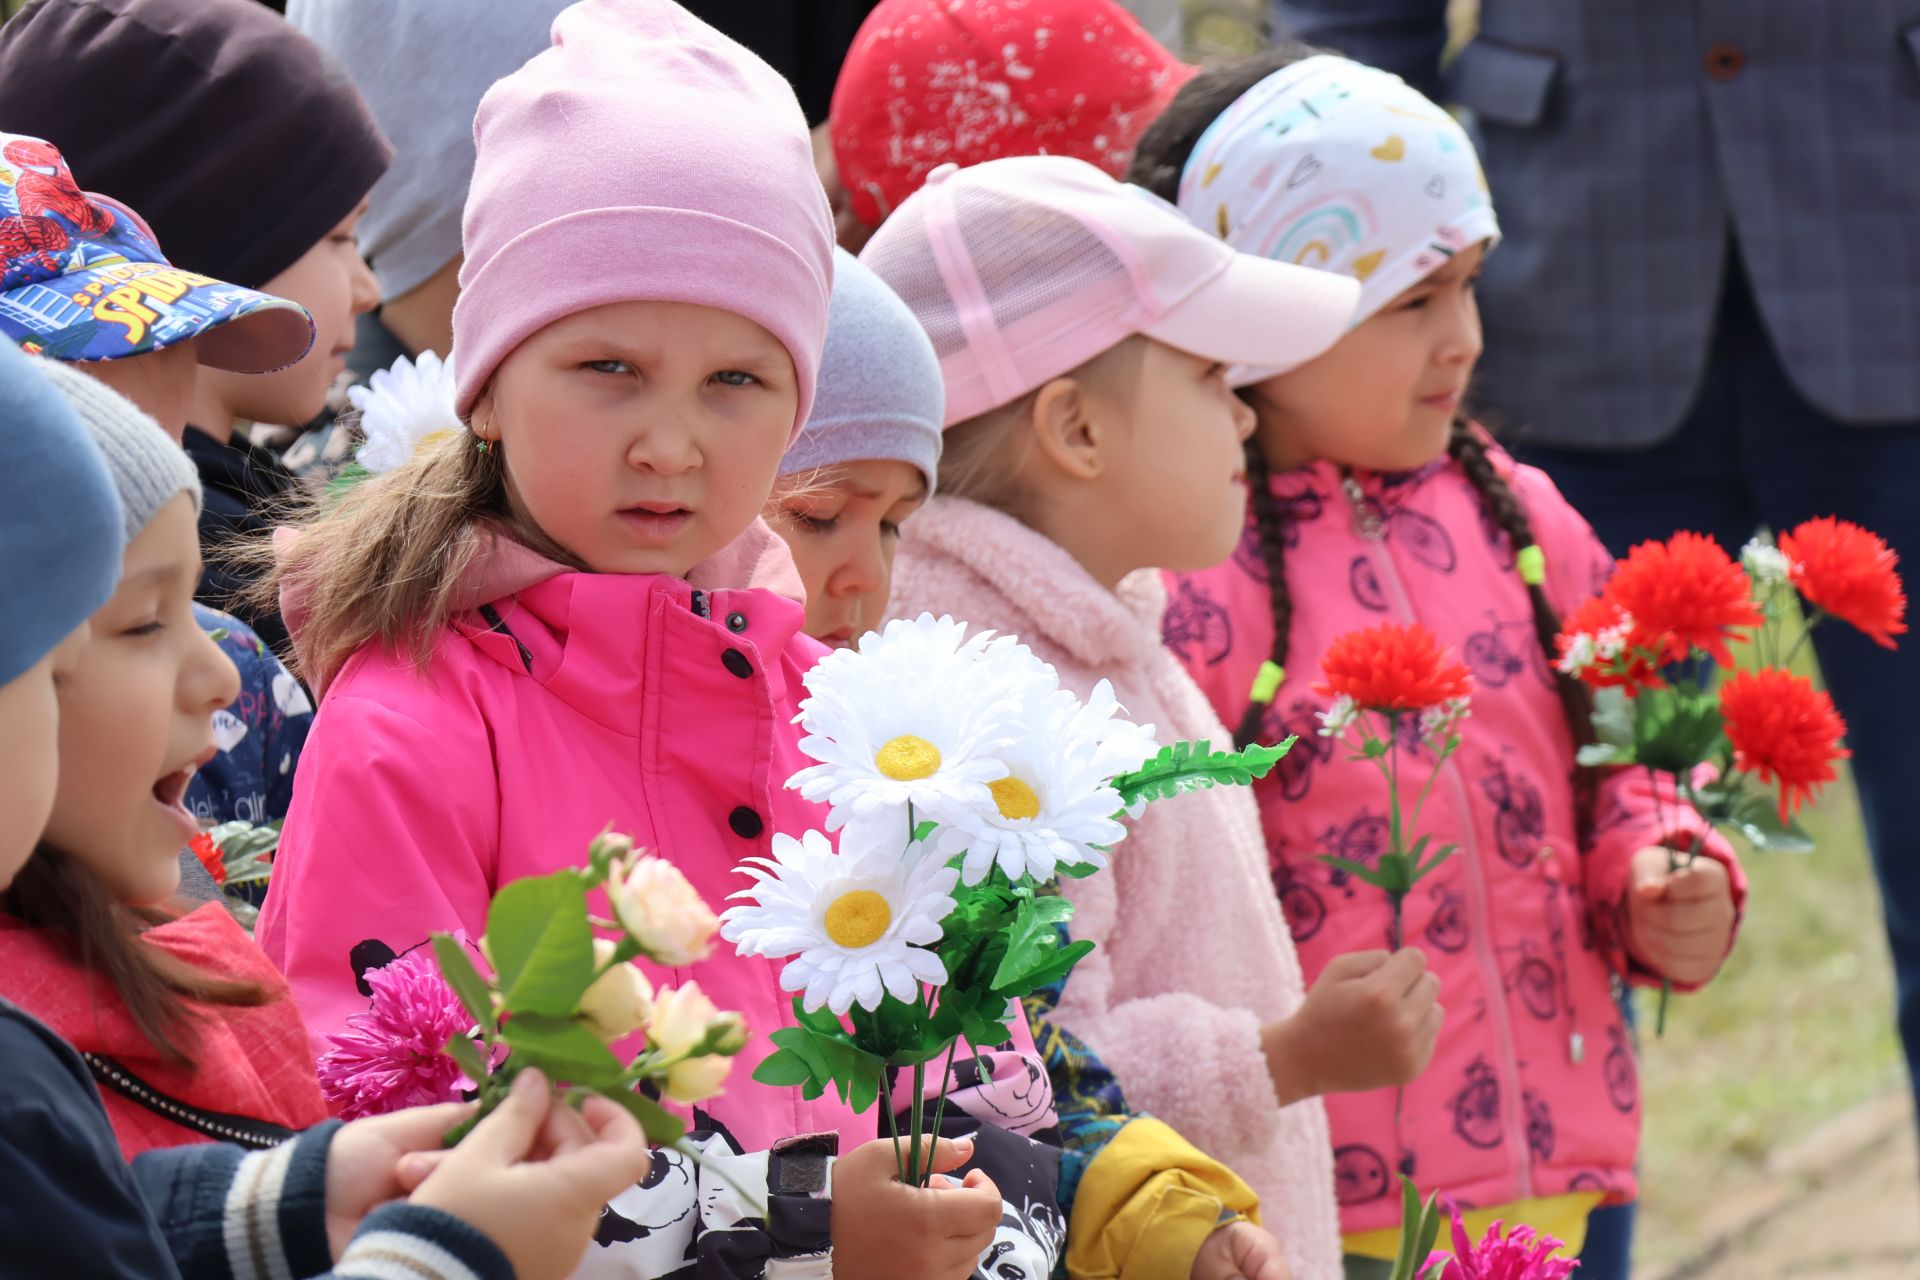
[(639, 701), (1193, 957), (1533, 1091)]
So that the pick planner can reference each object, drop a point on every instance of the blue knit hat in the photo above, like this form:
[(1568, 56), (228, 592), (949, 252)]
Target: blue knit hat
[(880, 394), (59, 518)]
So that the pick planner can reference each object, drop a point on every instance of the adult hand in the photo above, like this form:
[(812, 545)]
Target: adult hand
[(1371, 1020), (1679, 921)]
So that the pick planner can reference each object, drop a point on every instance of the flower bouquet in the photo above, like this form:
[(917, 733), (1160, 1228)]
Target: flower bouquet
[(556, 997), (237, 854), (1393, 686), (1522, 1254), (962, 781), (1769, 740)]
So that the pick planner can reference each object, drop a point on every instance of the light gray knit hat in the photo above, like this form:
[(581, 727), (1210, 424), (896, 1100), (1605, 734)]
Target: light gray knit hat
[(147, 467), (424, 65), (879, 393)]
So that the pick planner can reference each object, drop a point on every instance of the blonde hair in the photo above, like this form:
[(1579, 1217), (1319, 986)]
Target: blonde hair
[(382, 560), (984, 458)]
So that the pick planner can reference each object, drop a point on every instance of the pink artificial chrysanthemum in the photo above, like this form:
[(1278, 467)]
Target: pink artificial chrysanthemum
[(1524, 1255), (392, 1056)]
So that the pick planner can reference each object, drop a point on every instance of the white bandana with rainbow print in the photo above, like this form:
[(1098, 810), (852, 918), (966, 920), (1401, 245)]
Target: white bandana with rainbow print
[(1335, 165)]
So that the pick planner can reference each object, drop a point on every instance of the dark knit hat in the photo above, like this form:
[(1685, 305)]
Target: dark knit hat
[(239, 141)]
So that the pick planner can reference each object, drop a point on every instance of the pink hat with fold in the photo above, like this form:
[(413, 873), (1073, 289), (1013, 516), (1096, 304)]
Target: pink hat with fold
[(644, 157), (1024, 269)]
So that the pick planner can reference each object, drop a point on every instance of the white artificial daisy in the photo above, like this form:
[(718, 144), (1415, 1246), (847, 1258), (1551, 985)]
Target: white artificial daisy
[(1334, 720), (402, 408), (1437, 723), (1578, 652), (857, 923), (1055, 807), (916, 716), (1765, 563)]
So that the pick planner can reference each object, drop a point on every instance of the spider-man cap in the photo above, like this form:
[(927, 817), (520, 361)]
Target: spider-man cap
[(81, 278)]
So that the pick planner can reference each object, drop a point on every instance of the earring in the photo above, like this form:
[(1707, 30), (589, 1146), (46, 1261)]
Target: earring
[(482, 446)]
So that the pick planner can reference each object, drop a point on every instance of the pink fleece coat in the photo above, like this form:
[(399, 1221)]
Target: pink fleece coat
[(636, 700), (1533, 1090), (1193, 957)]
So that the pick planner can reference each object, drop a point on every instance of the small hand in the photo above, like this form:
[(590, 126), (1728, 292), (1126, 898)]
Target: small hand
[(883, 1230), (1240, 1251), (367, 1163), (1369, 1021), (1679, 922)]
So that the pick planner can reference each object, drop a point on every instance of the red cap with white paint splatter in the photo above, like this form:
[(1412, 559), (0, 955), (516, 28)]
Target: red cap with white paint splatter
[(932, 82), (1024, 269)]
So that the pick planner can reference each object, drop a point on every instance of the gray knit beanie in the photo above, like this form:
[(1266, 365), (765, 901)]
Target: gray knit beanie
[(147, 467), (424, 65), (880, 393)]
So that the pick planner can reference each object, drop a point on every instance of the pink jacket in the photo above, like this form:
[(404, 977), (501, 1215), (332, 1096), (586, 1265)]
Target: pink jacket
[(640, 701), (1193, 957), (1533, 1091)]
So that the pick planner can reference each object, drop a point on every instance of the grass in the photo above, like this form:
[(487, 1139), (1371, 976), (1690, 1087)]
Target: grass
[(1797, 1029)]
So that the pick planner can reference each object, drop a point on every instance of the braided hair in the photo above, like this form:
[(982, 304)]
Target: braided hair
[(1469, 449)]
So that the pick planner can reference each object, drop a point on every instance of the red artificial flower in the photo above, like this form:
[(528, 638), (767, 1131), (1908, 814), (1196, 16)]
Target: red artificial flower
[(1784, 730), (1850, 573), (1583, 644), (1685, 594), (1392, 668), (211, 858)]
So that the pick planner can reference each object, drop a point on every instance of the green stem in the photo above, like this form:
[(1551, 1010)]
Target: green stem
[(1819, 616), (940, 1107), (916, 1166), (893, 1121)]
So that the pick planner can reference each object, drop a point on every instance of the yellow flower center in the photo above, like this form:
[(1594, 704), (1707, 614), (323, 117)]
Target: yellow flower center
[(908, 759), (858, 918), (1016, 800)]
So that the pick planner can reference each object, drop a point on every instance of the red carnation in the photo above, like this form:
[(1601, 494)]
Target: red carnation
[(1392, 668), (1684, 594), (1599, 645), (1784, 729), (211, 858), (1850, 573)]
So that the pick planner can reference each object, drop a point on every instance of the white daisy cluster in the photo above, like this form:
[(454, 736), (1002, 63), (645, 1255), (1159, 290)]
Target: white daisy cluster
[(1340, 714), (403, 408), (923, 724), (1438, 723), (1765, 563), (1584, 649)]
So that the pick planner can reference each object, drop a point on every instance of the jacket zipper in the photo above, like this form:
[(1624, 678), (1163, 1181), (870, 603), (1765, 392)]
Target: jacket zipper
[(1372, 528)]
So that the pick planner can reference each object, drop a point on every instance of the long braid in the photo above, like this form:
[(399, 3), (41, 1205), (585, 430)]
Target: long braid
[(1270, 524), (1466, 446)]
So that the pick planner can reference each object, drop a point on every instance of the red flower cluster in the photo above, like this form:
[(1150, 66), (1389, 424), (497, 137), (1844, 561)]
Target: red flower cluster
[(1630, 670), (211, 858), (1850, 573), (1784, 730), (1684, 594), (1392, 668)]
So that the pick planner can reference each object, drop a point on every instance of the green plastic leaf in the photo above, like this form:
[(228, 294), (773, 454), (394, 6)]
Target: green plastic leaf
[(541, 944), (1613, 718), (1756, 817), (1676, 729), (562, 1048), (831, 1058), (783, 1069), (458, 970), (1358, 870), (462, 1051), (1033, 941), (1432, 864), (661, 1126), (1410, 1224), (1601, 755), (1194, 766)]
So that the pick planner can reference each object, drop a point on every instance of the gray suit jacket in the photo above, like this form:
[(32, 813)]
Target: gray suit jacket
[(1628, 143)]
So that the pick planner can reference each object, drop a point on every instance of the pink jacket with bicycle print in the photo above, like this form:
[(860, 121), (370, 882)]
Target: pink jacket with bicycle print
[(1534, 1089)]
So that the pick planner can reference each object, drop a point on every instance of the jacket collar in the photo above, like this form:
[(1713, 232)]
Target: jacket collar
[(1039, 579)]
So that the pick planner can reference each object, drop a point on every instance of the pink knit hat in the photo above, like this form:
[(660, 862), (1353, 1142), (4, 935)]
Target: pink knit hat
[(644, 157)]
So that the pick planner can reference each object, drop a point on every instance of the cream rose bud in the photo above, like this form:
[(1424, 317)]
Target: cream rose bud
[(681, 1019), (729, 1032), (655, 904), (620, 1001)]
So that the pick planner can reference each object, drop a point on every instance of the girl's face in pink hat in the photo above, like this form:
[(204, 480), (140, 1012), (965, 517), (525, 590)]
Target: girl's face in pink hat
[(642, 436)]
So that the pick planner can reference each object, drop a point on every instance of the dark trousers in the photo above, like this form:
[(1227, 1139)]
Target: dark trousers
[(1753, 452)]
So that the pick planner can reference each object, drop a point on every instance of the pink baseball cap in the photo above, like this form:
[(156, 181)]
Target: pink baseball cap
[(1024, 269)]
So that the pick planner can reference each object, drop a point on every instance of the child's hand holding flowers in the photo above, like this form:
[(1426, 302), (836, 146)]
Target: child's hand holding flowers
[(1680, 918)]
